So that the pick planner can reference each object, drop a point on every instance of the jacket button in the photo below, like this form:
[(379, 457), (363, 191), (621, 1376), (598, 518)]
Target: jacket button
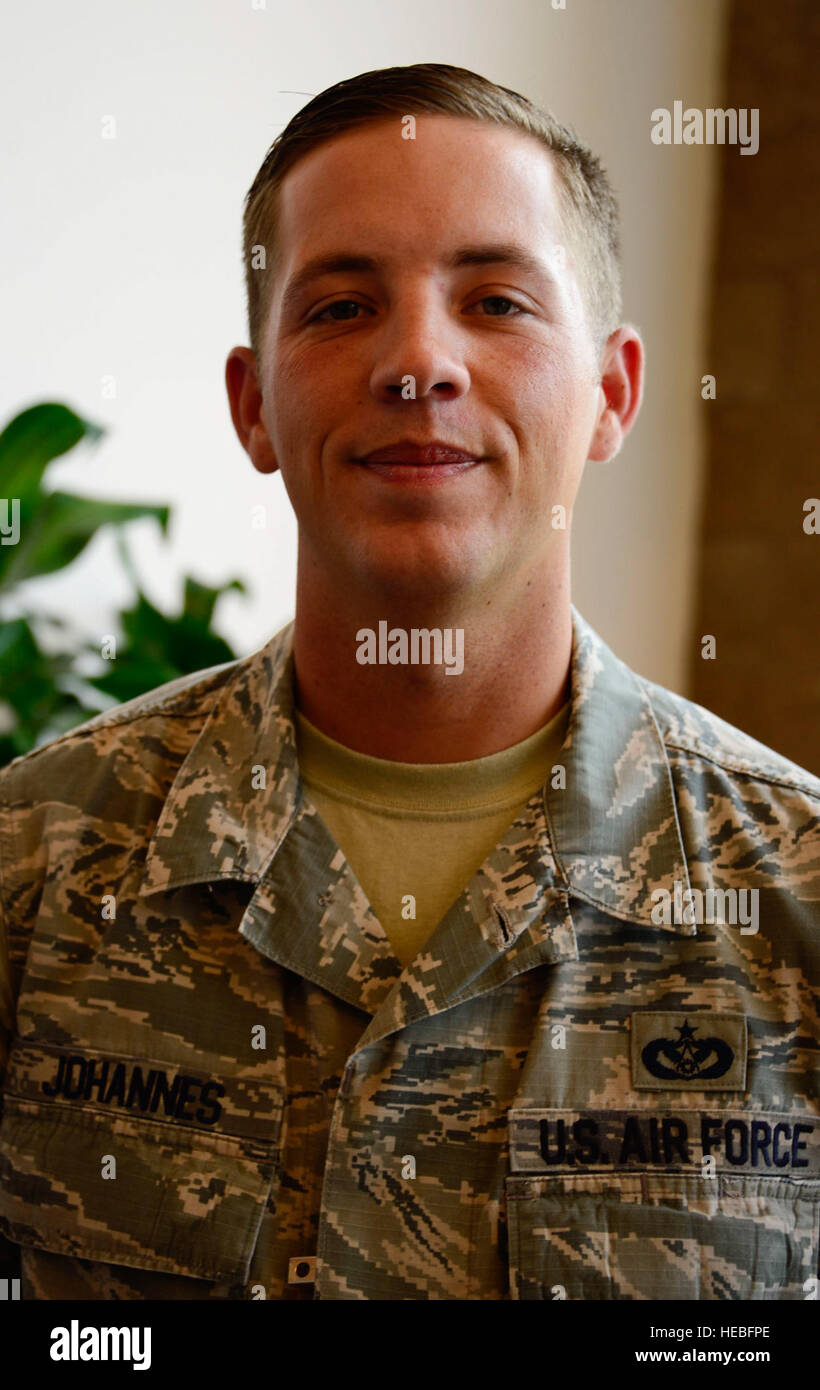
[(302, 1269)]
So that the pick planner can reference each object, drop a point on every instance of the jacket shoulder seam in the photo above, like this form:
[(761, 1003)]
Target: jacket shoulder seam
[(72, 735), (744, 770), (194, 710)]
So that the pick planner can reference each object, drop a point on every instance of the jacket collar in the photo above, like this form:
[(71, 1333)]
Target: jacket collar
[(610, 837), (613, 829), (238, 790)]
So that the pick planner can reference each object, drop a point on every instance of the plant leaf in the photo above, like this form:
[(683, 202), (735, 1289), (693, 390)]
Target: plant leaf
[(200, 600), (61, 528), (28, 686), (159, 648), (33, 438)]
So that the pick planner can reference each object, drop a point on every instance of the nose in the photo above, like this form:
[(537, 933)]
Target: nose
[(420, 351)]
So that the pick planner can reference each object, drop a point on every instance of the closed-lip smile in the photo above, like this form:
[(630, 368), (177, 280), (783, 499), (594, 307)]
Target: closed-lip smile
[(436, 452)]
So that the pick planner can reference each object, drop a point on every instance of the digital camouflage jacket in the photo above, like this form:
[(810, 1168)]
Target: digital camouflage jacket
[(598, 1079)]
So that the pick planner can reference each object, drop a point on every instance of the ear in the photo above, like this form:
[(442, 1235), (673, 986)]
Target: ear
[(621, 391), (245, 399)]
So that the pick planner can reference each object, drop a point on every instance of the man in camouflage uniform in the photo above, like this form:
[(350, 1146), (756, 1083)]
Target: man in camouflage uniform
[(595, 1077)]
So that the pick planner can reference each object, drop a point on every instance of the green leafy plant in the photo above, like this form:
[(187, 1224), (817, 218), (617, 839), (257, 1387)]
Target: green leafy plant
[(49, 681)]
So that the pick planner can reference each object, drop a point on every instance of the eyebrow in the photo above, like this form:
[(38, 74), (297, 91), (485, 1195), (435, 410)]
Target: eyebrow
[(499, 253)]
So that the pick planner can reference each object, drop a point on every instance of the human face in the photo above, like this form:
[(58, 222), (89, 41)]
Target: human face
[(499, 354)]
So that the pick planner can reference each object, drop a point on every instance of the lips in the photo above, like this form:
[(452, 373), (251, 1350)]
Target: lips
[(420, 455)]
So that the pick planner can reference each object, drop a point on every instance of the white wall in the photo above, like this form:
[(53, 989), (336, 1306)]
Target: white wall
[(122, 257)]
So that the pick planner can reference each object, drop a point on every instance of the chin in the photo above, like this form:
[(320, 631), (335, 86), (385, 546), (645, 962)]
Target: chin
[(427, 572)]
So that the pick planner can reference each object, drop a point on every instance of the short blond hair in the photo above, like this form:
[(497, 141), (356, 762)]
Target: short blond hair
[(588, 204)]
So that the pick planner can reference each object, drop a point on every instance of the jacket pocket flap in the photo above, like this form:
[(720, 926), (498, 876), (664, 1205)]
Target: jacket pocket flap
[(119, 1188)]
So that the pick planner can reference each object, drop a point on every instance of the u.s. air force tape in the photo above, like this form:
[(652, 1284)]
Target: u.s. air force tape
[(764, 1142)]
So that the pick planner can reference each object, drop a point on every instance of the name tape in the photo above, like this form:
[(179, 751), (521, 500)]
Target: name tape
[(229, 1104)]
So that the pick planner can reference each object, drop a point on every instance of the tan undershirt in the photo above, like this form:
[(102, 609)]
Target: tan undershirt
[(414, 834)]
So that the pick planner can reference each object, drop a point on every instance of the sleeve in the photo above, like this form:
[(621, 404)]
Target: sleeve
[(9, 1253), (6, 1000), (6, 997)]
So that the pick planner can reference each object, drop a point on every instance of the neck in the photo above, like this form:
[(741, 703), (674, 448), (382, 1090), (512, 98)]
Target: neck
[(517, 651)]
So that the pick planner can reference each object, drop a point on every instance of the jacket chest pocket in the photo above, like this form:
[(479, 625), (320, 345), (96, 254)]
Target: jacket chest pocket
[(643, 1233), (659, 1236), (131, 1184)]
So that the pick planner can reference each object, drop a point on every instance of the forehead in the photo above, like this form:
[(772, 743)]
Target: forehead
[(456, 178)]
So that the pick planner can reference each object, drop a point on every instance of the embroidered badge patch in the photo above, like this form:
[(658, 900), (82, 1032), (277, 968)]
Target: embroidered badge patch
[(697, 1051)]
